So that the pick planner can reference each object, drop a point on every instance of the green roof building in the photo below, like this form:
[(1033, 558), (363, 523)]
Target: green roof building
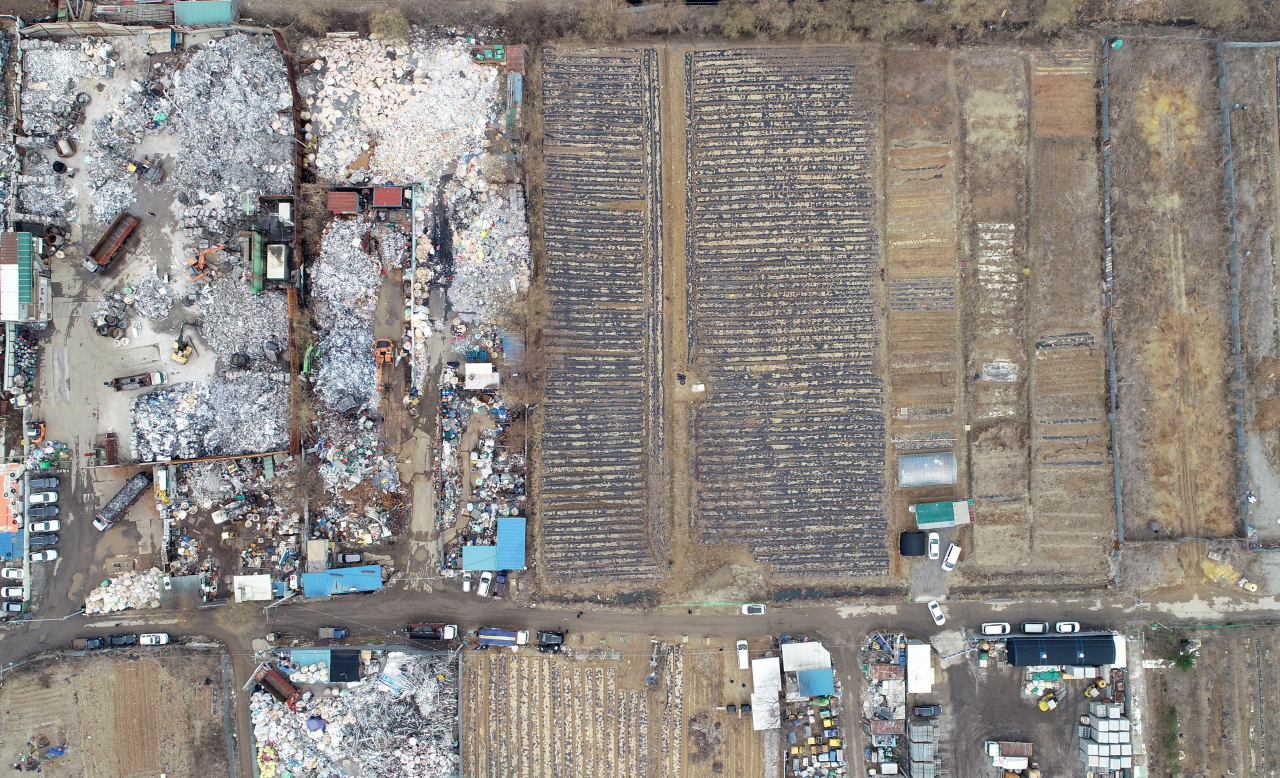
[(938, 515)]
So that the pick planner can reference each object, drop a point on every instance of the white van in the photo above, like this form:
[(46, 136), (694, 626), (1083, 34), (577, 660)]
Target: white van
[(743, 661)]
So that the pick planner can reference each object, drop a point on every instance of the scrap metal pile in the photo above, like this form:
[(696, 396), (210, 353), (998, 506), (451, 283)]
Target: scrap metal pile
[(400, 724), (351, 452), (491, 252), (401, 111), (243, 412), (8, 154), (52, 110), (130, 590), (233, 108), (236, 321)]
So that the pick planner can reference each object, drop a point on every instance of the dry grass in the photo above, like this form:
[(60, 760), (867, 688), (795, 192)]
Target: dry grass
[(601, 23), (739, 20), (1217, 13), (1057, 14), (317, 17), (389, 24)]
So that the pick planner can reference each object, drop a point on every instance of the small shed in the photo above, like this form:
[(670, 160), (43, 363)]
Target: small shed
[(388, 197), (479, 376), (507, 553), (936, 469), (938, 515), (251, 587), (913, 544), (809, 655), (766, 677), (343, 580), (816, 683), (205, 13), (344, 202)]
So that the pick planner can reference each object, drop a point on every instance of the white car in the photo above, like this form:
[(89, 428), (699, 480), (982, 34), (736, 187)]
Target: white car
[(11, 592), (935, 545), (996, 628), (42, 498), (48, 555), (45, 526), (12, 574), (1066, 627), (935, 610), (953, 556), (153, 639), (743, 661), (753, 609), (466, 580), (486, 578)]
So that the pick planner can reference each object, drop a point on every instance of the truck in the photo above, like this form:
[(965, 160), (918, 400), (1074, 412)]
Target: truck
[(123, 500), (1007, 755), (108, 246), (493, 636), (139, 381), (332, 633), (432, 632), (277, 685)]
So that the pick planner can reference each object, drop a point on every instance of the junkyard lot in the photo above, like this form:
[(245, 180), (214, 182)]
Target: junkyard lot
[(119, 717)]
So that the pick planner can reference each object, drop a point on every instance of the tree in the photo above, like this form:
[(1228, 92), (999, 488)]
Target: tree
[(739, 20)]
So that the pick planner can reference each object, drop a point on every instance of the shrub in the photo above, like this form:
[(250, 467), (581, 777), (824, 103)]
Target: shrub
[(389, 24)]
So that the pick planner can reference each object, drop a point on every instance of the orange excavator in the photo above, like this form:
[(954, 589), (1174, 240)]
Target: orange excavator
[(382, 358), (198, 267)]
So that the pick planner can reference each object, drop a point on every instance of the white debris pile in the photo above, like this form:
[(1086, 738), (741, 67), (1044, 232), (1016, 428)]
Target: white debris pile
[(391, 247), (233, 107), (52, 196), (402, 111), (151, 299), (347, 380), (491, 252), (347, 274), (130, 590), (52, 72), (237, 321), (242, 413), (404, 725)]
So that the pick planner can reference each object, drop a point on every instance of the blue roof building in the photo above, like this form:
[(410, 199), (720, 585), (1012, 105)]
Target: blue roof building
[(342, 580), (506, 554), (816, 683)]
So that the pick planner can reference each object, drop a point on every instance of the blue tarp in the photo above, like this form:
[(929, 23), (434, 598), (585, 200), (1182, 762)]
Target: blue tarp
[(506, 554), (301, 657), (816, 683), (343, 580), (10, 545)]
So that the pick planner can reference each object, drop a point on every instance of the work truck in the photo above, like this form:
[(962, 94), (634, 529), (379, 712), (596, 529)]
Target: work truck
[(139, 381), (432, 632), (123, 500), (112, 241), (277, 685), (493, 636)]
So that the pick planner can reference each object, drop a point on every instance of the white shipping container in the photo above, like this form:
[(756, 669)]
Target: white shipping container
[(1126, 749), (1126, 763), (1124, 737)]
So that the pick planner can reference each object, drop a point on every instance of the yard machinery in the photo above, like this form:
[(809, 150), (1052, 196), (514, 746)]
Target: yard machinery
[(198, 266), (182, 347), (382, 357)]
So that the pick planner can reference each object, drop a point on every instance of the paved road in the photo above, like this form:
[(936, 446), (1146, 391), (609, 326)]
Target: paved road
[(382, 615)]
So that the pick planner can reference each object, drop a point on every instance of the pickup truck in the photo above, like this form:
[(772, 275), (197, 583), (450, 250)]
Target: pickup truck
[(139, 381), (432, 632), (492, 636), (333, 633)]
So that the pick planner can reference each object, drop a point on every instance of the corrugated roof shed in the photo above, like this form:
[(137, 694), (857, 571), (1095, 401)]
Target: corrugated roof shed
[(508, 552), (816, 683), (937, 469), (931, 515), (805, 656), (388, 197), (894, 727), (196, 13), (1084, 650), (344, 202), (343, 580), (887, 672)]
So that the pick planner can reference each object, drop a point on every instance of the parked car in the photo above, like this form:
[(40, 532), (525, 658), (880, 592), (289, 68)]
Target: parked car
[(996, 628), (154, 639), (744, 660), (43, 540), (12, 574), (551, 638), (89, 643), (466, 580), (11, 606), (122, 640), (42, 511), (48, 482), (42, 498), (486, 578), (1035, 627), (935, 610), (1065, 627), (350, 558), (44, 556), (45, 526), (953, 556), (926, 711), (499, 585), (935, 545), (12, 592), (753, 609)]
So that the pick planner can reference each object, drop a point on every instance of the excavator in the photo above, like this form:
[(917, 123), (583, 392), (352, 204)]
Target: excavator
[(382, 357), (182, 347), (197, 267)]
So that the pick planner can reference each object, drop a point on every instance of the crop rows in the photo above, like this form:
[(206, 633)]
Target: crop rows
[(782, 153), (603, 415), (537, 716), (922, 294)]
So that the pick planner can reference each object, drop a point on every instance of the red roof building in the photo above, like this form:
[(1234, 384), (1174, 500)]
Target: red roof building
[(388, 197), (344, 202)]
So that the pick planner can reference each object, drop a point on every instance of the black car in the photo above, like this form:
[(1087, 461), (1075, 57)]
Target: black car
[(551, 638), (927, 711), (122, 640), (44, 483), (94, 642), (43, 540), (42, 511)]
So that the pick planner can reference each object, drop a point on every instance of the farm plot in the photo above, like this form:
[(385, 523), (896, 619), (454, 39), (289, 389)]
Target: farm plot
[(118, 718), (601, 464), (1252, 82), (1172, 324), (923, 343), (590, 714), (781, 156)]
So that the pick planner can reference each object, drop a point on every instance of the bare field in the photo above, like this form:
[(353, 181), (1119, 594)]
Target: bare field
[(592, 714), (119, 718), (1172, 322)]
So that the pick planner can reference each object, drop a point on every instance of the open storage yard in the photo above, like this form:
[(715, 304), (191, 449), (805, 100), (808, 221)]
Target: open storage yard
[(118, 716)]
